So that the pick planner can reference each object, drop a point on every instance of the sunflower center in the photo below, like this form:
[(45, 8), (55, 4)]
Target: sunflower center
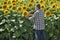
[(19, 8), (41, 1), (10, 6), (13, 1), (54, 6), (5, 2), (47, 8), (13, 8), (42, 7), (14, 4), (30, 5), (25, 13), (24, 7), (4, 6), (48, 13), (6, 11), (32, 0)]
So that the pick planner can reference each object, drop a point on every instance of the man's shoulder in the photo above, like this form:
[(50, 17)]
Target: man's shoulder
[(40, 11)]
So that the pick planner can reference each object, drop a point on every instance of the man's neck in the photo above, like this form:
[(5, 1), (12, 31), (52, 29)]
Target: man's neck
[(37, 10)]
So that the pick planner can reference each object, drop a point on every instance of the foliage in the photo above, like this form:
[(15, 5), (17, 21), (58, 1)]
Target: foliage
[(14, 25)]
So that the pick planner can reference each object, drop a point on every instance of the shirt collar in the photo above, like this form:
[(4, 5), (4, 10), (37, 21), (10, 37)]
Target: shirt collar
[(37, 10)]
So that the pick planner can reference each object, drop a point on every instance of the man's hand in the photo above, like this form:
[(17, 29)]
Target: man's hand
[(29, 14)]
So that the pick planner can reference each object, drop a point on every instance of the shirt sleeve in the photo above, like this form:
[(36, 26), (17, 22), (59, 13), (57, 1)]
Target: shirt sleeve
[(33, 16)]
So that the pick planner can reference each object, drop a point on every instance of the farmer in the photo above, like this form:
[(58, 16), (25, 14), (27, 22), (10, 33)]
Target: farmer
[(39, 25)]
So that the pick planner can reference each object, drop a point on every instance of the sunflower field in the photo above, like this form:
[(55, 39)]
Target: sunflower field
[(14, 25)]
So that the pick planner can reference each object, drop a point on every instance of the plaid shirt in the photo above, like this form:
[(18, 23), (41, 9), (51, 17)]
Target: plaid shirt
[(38, 17)]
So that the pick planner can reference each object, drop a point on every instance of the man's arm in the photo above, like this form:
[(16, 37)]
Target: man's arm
[(32, 16)]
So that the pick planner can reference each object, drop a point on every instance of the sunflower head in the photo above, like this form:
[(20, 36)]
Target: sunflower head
[(24, 7), (19, 9), (22, 2), (47, 8), (51, 2), (13, 7), (5, 3), (41, 1), (54, 6), (4, 7), (10, 6), (56, 3), (30, 5), (42, 6), (25, 14), (32, 12), (32, 1), (47, 13), (17, 0), (59, 10), (13, 2), (52, 14), (0, 3), (6, 12), (47, 1)]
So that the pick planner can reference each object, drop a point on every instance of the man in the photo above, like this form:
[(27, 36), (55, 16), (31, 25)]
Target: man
[(39, 26)]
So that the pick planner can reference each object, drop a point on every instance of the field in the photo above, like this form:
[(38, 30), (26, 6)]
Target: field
[(14, 25)]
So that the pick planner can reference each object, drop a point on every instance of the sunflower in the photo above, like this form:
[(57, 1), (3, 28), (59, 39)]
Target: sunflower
[(9, 6), (57, 2), (47, 13), (19, 9), (30, 5), (47, 8), (25, 13), (5, 3), (17, 1), (13, 7), (42, 6), (41, 2), (24, 7), (22, 2), (1, 3), (32, 1), (51, 2), (32, 12), (13, 2), (59, 10), (10, 1), (4, 7), (6, 12), (6, 0), (54, 7), (47, 1), (52, 14)]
